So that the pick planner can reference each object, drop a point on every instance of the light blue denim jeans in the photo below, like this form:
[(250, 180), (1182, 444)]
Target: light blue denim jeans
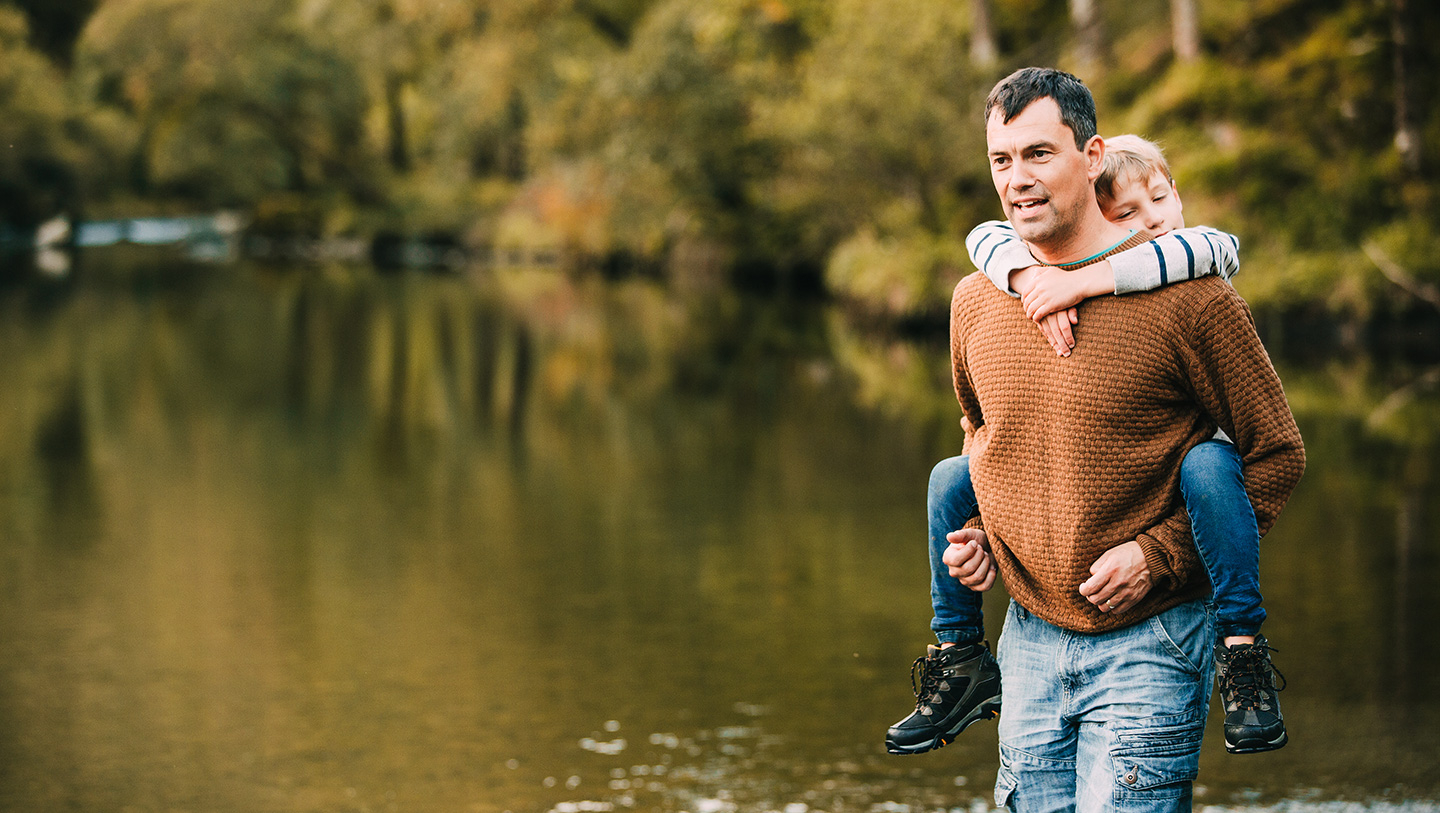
[(1222, 522), (1105, 722)]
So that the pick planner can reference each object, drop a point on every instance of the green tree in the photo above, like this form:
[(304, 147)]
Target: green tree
[(884, 155), (233, 101), (52, 153)]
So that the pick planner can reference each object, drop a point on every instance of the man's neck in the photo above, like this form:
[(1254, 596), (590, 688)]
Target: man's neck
[(1093, 239)]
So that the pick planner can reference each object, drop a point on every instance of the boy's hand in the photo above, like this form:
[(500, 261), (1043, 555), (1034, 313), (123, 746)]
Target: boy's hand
[(1056, 328), (1118, 579), (1023, 280), (1049, 296), (1055, 289), (969, 558)]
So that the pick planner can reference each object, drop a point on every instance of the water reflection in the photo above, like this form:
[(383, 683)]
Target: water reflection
[(330, 540)]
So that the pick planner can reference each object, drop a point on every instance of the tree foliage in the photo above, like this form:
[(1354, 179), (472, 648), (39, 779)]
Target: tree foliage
[(842, 134)]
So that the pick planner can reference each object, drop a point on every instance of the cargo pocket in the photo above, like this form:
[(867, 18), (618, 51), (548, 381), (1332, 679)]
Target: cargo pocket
[(1156, 763), (1005, 783)]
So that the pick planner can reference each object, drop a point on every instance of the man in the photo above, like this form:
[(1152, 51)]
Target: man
[(1106, 656)]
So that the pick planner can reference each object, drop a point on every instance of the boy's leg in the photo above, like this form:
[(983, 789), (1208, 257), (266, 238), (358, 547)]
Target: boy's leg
[(1228, 540), (958, 682), (949, 504), (1226, 535)]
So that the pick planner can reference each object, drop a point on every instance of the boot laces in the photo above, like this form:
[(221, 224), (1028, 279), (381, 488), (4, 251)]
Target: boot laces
[(1249, 674), (925, 679)]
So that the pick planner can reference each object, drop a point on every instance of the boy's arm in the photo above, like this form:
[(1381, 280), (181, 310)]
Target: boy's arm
[(1002, 257), (1176, 256), (998, 252)]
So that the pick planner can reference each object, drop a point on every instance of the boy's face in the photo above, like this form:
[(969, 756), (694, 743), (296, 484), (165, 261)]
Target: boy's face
[(1151, 203)]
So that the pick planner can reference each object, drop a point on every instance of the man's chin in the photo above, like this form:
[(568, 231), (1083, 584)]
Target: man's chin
[(1032, 230)]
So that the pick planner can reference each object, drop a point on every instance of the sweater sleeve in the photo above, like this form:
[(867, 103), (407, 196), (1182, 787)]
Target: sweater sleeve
[(1237, 385), (964, 390), (1174, 257), (1169, 549), (997, 250)]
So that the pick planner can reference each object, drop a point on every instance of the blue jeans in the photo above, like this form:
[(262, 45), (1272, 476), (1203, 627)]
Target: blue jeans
[(950, 503), (1110, 721), (1221, 518)]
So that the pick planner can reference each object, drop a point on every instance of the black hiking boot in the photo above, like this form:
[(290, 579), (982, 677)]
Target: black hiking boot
[(956, 686), (1249, 690)]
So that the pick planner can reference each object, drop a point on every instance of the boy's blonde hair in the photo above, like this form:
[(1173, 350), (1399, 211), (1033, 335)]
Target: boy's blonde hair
[(1129, 158)]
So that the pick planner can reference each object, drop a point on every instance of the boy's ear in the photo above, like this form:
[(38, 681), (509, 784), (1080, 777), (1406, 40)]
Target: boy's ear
[(1094, 157), (1175, 190)]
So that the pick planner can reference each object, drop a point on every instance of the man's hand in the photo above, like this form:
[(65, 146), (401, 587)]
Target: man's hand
[(1118, 579), (969, 558)]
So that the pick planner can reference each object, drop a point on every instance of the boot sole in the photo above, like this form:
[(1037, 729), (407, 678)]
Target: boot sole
[(1257, 746), (987, 710)]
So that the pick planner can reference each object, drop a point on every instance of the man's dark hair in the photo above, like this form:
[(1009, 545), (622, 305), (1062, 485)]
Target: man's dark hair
[(1026, 86)]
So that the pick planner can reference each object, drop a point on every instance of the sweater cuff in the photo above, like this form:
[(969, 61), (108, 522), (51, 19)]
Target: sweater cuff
[(976, 523), (1156, 560)]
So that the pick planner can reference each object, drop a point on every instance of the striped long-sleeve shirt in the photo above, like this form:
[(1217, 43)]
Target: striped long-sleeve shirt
[(1179, 255)]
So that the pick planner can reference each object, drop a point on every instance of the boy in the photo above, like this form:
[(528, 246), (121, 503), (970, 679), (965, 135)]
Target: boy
[(959, 682)]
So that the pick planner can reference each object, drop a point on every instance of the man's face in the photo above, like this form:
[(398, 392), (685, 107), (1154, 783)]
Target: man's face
[(1151, 203), (1044, 180)]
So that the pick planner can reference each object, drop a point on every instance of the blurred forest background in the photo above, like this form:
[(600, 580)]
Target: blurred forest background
[(830, 144)]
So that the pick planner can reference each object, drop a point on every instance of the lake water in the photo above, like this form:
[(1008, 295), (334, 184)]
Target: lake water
[(322, 540)]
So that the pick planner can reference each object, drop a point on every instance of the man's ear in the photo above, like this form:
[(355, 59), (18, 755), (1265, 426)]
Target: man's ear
[(1094, 157)]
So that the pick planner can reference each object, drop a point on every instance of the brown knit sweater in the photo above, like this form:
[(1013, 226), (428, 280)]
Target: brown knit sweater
[(1073, 456)]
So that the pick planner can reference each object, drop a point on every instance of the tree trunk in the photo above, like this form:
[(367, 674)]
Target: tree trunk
[(1185, 22), (1407, 131), (983, 51), (1089, 33), (395, 114)]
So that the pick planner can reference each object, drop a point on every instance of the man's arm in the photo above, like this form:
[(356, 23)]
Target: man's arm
[(1235, 382), (1232, 378)]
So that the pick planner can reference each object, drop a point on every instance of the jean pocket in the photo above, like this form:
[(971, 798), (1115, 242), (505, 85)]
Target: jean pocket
[(1186, 633), (1157, 759)]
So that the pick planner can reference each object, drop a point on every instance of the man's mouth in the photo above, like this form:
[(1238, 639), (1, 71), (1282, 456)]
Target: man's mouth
[(1027, 204)]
